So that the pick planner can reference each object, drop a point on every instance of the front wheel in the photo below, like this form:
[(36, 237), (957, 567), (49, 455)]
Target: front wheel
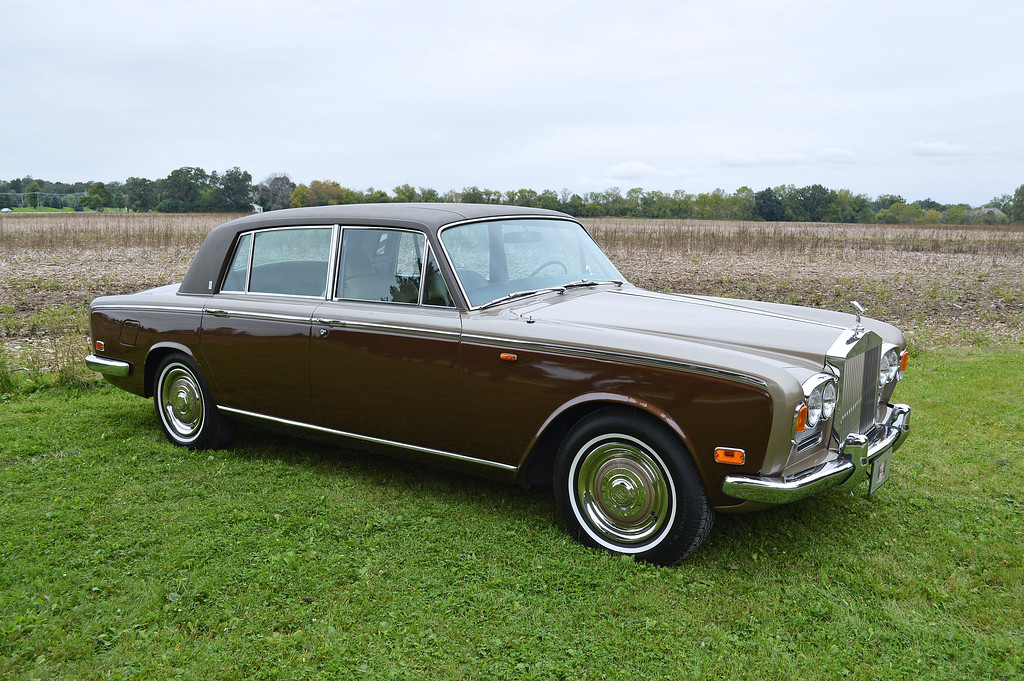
[(186, 410), (625, 484)]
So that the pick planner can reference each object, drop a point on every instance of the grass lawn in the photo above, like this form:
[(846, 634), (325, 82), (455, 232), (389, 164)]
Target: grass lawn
[(124, 557)]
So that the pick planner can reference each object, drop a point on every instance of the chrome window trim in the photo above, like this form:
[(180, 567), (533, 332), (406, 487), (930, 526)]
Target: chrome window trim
[(640, 360), (496, 218), (370, 439), (334, 298), (331, 259)]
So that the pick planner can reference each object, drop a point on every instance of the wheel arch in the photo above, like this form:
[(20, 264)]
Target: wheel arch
[(539, 462), (156, 354)]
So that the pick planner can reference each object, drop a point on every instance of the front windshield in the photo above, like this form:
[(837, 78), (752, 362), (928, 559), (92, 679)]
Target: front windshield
[(502, 257)]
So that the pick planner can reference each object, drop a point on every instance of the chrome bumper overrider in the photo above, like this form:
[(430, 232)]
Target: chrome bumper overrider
[(846, 472), (108, 367)]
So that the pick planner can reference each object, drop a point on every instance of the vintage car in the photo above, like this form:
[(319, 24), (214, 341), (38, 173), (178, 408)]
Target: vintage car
[(502, 341)]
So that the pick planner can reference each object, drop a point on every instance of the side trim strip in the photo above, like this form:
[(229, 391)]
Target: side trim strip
[(148, 308), (621, 357), (374, 440), (372, 326)]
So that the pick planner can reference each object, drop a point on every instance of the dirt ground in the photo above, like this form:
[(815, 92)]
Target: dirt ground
[(946, 298)]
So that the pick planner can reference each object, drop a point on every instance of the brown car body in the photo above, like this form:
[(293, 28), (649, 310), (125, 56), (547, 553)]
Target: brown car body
[(497, 388)]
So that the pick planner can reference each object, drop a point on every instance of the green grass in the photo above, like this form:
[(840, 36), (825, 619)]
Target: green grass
[(124, 557)]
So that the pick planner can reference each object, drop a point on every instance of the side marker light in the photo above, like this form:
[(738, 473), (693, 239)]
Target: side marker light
[(736, 457)]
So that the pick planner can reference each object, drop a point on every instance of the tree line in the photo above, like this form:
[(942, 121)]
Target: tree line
[(191, 189)]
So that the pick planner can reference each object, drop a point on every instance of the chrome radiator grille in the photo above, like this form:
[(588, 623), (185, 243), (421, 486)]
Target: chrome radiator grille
[(858, 393)]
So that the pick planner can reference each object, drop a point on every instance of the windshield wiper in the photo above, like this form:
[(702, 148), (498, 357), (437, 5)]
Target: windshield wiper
[(522, 294), (591, 282)]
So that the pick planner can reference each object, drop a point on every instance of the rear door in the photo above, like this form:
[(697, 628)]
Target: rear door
[(256, 329)]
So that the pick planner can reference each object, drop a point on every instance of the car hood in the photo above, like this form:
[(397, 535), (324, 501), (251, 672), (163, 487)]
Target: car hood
[(786, 334)]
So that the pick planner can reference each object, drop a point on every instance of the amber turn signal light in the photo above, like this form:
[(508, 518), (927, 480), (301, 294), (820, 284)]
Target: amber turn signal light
[(508, 357), (736, 457), (903, 360), (99, 346), (801, 419)]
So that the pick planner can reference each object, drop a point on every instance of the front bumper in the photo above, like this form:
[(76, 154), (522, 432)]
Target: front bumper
[(850, 469)]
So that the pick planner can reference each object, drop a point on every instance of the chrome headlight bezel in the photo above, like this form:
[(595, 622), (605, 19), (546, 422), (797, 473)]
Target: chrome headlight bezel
[(888, 366), (820, 397)]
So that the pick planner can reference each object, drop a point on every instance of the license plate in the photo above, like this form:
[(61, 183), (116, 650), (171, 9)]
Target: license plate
[(879, 472)]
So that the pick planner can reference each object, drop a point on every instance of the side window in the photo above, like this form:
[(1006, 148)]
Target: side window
[(291, 261), (239, 270), (380, 265), (435, 291)]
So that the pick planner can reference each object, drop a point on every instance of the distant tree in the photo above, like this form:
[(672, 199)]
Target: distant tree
[(6, 201), (849, 207), (900, 213), (471, 195), (548, 200), (960, 214), (573, 205), (273, 192), (300, 197), (171, 206), (32, 192), (185, 184), (740, 205), (236, 189), (1003, 203), (406, 193), (1017, 212), (523, 197), (928, 204), (710, 205), (100, 196), (429, 195), (327, 193), (372, 195), (140, 194), (932, 217), (768, 206), (886, 200)]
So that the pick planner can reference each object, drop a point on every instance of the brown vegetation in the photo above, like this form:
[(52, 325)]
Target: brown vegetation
[(941, 285)]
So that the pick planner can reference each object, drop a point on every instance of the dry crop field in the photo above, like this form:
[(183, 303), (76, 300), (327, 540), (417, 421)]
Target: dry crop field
[(942, 285)]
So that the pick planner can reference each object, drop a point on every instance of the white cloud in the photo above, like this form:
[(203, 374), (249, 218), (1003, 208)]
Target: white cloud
[(753, 160), (837, 155), (631, 170), (938, 149)]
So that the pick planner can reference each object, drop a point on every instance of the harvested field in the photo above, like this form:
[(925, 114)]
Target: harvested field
[(941, 285)]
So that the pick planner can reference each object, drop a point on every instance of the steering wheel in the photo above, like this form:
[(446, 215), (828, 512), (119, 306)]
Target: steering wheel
[(549, 263)]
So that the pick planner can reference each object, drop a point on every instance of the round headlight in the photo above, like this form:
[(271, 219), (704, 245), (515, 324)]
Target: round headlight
[(883, 371), (829, 397), (814, 407), (893, 358)]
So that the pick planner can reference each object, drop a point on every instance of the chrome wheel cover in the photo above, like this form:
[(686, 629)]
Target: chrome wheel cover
[(181, 402), (621, 490)]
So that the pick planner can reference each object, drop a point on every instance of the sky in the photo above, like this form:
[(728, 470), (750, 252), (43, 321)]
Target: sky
[(924, 99)]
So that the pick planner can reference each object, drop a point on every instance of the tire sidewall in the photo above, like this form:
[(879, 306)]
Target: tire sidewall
[(688, 518), (202, 435)]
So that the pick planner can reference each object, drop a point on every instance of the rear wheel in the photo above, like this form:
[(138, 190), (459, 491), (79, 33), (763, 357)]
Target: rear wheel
[(624, 483), (186, 410)]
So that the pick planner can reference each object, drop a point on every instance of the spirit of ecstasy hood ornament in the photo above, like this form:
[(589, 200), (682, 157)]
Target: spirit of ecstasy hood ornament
[(858, 327)]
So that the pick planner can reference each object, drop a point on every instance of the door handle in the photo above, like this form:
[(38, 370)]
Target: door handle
[(329, 322)]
